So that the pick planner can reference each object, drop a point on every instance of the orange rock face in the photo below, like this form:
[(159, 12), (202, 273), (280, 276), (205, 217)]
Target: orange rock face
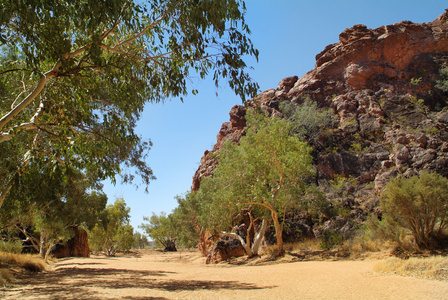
[(369, 78), (390, 116), (78, 246)]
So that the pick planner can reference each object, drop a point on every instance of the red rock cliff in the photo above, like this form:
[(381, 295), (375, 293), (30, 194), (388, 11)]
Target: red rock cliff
[(371, 79)]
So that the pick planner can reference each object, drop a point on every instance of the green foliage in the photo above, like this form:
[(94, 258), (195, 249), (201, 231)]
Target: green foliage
[(308, 120), (330, 239), (113, 232), (316, 204), (76, 75), (162, 229), (419, 104), (419, 205), (11, 246), (141, 241), (386, 229), (267, 173), (185, 216), (50, 202), (125, 238), (179, 228), (356, 147), (416, 81), (338, 183), (442, 83)]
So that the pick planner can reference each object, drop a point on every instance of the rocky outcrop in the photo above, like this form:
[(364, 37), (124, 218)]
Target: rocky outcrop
[(390, 118), (232, 131), (225, 248), (205, 241), (372, 79), (78, 246)]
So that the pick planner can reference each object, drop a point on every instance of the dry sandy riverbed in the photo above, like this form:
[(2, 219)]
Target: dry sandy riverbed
[(156, 275)]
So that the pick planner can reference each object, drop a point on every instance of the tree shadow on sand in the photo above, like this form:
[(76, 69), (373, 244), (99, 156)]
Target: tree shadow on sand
[(83, 281)]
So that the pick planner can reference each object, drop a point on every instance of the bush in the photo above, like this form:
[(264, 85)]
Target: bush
[(308, 120), (11, 246), (330, 239), (418, 205)]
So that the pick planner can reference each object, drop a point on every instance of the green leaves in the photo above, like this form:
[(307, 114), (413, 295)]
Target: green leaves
[(112, 231), (307, 119), (418, 204), (162, 229), (104, 60), (269, 168)]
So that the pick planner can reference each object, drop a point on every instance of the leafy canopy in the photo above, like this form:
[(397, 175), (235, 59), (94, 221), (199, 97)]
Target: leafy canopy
[(266, 172), (75, 76), (163, 229), (113, 232)]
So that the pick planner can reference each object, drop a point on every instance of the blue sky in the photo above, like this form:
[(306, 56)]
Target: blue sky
[(289, 34)]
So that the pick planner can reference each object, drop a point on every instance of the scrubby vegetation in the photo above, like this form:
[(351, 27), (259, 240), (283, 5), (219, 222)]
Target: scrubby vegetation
[(435, 267), (13, 263), (412, 215), (419, 206), (113, 232)]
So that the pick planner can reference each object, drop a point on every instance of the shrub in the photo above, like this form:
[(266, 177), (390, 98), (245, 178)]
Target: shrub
[(11, 246), (308, 120), (419, 205), (330, 239)]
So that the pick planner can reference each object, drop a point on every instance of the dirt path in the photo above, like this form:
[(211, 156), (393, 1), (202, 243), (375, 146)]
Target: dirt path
[(167, 276)]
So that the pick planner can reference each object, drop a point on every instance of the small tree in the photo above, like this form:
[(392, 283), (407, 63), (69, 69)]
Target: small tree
[(266, 173), (162, 229), (185, 215), (418, 204), (140, 240), (113, 232), (307, 119)]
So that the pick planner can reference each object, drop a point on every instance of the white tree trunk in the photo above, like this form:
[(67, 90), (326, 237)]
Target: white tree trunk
[(259, 237)]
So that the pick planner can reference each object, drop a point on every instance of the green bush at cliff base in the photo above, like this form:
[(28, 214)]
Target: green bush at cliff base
[(417, 206)]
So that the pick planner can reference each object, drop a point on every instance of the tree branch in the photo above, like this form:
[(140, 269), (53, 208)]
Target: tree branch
[(155, 23), (30, 98)]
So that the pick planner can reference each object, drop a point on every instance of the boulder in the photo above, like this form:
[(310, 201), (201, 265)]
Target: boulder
[(77, 246), (225, 248)]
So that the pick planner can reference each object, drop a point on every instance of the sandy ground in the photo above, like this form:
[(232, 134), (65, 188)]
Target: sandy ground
[(155, 275)]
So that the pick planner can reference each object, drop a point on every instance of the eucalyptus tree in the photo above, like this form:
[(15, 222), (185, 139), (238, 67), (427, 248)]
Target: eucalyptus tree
[(163, 229), (46, 208), (75, 76), (267, 173), (112, 230)]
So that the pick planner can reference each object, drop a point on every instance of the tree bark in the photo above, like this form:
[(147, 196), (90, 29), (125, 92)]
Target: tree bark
[(259, 237), (30, 98), (278, 233)]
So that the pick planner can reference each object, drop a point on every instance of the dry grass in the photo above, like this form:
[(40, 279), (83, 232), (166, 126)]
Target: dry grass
[(5, 277), (270, 251), (306, 245), (358, 247), (11, 263), (361, 247), (435, 267)]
